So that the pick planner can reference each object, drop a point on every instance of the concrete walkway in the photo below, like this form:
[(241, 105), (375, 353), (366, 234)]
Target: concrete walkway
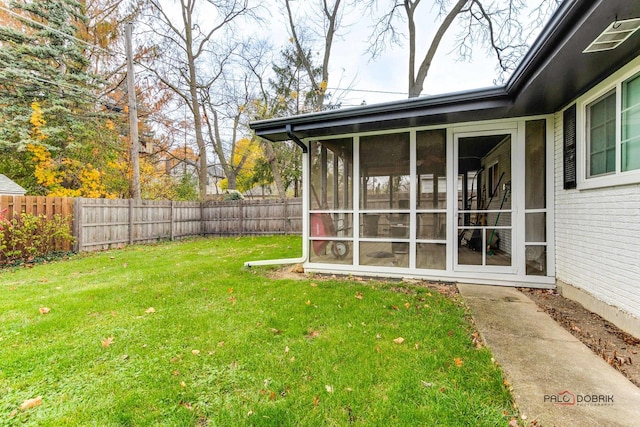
[(555, 378)]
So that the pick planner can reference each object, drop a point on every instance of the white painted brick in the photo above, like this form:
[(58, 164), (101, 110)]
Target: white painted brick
[(598, 238)]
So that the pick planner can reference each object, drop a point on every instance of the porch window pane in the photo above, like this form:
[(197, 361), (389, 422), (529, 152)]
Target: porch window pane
[(330, 251), (431, 255), (384, 225), (384, 172), (431, 159), (535, 164), (536, 260), (331, 225), (331, 174), (498, 247), (432, 226), (536, 227), (602, 135), (631, 124), (384, 254)]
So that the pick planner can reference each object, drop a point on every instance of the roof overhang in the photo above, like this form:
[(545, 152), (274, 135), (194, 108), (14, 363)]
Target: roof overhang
[(553, 73)]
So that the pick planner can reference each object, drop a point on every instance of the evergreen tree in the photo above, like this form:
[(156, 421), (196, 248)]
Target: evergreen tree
[(43, 63)]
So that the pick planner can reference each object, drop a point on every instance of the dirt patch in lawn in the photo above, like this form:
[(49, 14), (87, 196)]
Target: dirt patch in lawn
[(618, 348)]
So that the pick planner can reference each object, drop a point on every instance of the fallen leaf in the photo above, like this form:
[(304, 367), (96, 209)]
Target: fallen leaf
[(150, 310), (175, 373), (195, 352), (314, 285), (44, 310), (107, 342), (276, 331), (187, 405), (233, 301), (308, 302), (230, 290), (313, 334), (316, 400), (272, 395), (416, 346), (399, 340), (221, 344), (407, 305), (458, 361), (328, 388), (183, 384), (286, 349), (359, 295), (426, 384), (513, 422), (31, 403)]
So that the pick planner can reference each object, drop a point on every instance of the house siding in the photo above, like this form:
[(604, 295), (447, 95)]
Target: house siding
[(598, 238)]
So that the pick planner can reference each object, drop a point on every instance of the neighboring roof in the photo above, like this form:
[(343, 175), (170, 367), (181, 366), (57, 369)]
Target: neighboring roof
[(553, 73), (8, 187)]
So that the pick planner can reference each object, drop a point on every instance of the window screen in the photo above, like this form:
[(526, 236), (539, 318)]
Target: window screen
[(601, 116)]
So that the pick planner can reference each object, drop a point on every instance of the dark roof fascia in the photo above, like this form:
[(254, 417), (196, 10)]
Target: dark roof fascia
[(437, 105)]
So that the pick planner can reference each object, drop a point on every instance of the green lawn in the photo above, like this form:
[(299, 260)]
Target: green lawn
[(181, 334)]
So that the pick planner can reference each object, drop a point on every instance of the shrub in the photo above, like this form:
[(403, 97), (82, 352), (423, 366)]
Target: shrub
[(29, 237)]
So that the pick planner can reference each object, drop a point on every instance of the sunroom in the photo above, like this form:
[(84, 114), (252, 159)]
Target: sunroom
[(470, 201)]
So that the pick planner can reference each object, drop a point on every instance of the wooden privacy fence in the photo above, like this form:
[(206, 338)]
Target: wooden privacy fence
[(11, 206), (105, 223)]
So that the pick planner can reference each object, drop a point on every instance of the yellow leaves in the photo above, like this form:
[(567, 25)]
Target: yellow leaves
[(323, 86), (458, 361), (150, 310), (398, 340), (44, 310), (359, 295), (106, 342), (37, 121)]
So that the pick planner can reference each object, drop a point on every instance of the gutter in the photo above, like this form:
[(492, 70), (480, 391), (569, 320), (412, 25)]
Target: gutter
[(289, 129)]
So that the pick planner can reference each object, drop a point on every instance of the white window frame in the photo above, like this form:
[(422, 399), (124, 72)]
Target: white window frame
[(618, 177)]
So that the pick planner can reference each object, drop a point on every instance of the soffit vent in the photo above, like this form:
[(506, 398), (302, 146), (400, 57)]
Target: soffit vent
[(613, 36)]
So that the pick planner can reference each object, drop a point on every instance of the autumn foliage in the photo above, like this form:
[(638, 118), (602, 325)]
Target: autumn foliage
[(28, 237)]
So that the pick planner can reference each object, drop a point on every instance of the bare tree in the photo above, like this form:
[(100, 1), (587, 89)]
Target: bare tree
[(189, 55), (495, 25), (325, 24)]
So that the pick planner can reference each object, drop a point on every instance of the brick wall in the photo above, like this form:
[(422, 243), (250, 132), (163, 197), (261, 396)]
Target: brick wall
[(598, 238)]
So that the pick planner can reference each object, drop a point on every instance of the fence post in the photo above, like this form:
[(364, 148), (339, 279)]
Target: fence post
[(171, 233), (202, 217), (131, 221), (241, 214), (286, 216), (77, 224)]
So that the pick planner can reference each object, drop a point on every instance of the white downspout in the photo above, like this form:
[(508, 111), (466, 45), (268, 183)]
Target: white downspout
[(305, 211)]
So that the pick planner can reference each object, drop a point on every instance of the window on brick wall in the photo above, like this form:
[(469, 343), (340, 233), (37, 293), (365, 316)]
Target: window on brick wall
[(612, 133)]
